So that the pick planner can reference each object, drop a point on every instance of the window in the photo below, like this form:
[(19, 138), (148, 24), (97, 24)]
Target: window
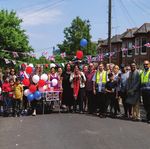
[(129, 48), (143, 48), (137, 44), (116, 51), (124, 45)]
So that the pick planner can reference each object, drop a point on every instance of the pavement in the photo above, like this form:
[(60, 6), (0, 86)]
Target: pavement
[(72, 131)]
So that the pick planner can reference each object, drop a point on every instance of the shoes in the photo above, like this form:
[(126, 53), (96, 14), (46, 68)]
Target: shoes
[(81, 112), (148, 121), (34, 113)]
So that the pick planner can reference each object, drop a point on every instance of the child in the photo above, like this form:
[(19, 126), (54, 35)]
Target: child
[(110, 89), (6, 100), (18, 96), (11, 93)]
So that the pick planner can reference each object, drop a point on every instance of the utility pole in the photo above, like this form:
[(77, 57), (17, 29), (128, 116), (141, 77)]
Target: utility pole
[(109, 27)]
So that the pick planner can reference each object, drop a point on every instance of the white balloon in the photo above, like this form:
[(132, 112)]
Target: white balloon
[(27, 92), (44, 77), (54, 82), (35, 79), (45, 87), (31, 65)]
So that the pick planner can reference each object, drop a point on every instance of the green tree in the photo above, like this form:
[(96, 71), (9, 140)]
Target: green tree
[(12, 36), (72, 35)]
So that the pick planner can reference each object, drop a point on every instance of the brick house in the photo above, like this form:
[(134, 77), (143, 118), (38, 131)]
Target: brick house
[(142, 36), (134, 40), (128, 41)]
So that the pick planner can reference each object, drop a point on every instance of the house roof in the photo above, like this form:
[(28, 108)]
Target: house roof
[(116, 39), (129, 33), (145, 28)]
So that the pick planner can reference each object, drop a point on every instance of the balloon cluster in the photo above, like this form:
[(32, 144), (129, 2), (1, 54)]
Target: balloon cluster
[(38, 86)]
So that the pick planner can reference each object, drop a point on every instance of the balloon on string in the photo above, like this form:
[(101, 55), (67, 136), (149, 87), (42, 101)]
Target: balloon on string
[(26, 82), (29, 70), (27, 92), (45, 87), (30, 97), (41, 83), (83, 42), (37, 95), (79, 54), (32, 88), (35, 79), (44, 77), (54, 82)]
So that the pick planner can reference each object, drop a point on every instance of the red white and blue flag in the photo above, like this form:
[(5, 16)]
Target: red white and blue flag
[(147, 45)]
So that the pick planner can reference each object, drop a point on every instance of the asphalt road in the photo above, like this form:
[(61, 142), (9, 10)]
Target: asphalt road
[(72, 131)]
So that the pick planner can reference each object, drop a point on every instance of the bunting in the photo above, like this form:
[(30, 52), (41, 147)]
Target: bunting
[(147, 45), (63, 55), (89, 58)]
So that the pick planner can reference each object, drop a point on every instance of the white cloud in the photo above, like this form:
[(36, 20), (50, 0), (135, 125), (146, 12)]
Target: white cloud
[(35, 18)]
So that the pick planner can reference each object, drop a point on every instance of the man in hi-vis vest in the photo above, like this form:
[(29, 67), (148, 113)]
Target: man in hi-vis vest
[(99, 81), (145, 88)]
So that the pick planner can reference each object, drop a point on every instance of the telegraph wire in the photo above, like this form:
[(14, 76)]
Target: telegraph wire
[(126, 12), (52, 5)]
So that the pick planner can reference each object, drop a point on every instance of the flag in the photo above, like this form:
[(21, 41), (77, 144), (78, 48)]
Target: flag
[(15, 54), (63, 55), (51, 58), (89, 58), (94, 59), (33, 55), (147, 45), (14, 62), (6, 61), (135, 47), (111, 54), (44, 53), (100, 57), (124, 49)]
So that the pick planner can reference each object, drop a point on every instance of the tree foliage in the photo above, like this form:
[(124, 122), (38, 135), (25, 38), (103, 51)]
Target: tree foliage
[(12, 36), (72, 35)]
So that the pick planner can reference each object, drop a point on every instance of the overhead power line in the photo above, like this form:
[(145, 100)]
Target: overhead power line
[(126, 12), (37, 11)]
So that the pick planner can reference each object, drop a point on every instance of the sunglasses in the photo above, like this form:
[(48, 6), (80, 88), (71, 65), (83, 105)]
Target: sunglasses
[(145, 64)]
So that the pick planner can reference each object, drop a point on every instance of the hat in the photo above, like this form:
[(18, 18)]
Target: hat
[(52, 65)]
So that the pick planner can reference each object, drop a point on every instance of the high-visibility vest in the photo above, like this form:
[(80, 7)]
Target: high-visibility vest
[(145, 78), (104, 77)]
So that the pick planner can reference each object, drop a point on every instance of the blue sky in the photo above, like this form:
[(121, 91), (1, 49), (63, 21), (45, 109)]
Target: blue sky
[(45, 20)]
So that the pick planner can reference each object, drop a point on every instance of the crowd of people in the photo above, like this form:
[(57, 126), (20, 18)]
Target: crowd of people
[(88, 88)]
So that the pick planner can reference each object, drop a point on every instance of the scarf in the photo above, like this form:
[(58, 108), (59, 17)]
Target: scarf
[(76, 86)]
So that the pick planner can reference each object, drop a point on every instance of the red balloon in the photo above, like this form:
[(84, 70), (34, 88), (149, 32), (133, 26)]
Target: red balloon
[(79, 54), (26, 82), (41, 83), (29, 70), (32, 88)]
